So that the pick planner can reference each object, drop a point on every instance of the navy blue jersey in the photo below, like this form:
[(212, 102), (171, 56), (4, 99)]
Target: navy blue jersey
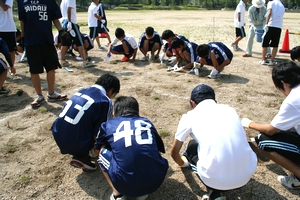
[(221, 51), (137, 167), (155, 39), (191, 48), (167, 46), (101, 11), (78, 124), (37, 17)]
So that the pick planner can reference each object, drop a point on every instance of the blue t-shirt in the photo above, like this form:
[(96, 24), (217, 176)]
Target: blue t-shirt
[(221, 51), (191, 48), (137, 167), (78, 123), (155, 39), (37, 17)]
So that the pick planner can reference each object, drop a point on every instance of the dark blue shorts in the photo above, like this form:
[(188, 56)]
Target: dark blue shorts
[(105, 157), (3, 65)]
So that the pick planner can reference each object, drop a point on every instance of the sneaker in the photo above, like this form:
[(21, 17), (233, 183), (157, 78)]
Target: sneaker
[(38, 101), (65, 63), (289, 181), (212, 194), (263, 62), (218, 75), (4, 91), (56, 97), (169, 69), (84, 163), (239, 49), (172, 61), (142, 197), (112, 197), (234, 46), (178, 69), (144, 59), (192, 71), (125, 59), (87, 64), (247, 55), (79, 58), (107, 44), (271, 63)]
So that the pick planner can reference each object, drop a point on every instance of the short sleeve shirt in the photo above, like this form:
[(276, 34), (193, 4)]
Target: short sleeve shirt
[(278, 10), (65, 4), (92, 20), (7, 23), (129, 38), (240, 8)]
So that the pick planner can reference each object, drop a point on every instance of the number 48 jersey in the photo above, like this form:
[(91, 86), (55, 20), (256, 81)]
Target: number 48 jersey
[(136, 166)]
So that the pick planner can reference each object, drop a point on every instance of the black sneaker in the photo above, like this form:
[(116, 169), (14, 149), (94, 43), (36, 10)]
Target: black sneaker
[(4, 91), (84, 163)]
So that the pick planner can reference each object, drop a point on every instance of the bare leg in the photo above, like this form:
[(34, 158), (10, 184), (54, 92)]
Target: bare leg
[(82, 52), (274, 52), (264, 53), (36, 81), (115, 192), (3, 76), (51, 80), (236, 42), (64, 50), (285, 163)]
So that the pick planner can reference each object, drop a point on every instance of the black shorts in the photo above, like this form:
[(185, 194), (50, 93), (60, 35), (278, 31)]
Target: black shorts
[(272, 37), (284, 143), (103, 29), (75, 40), (93, 32), (240, 32), (10, 40), (41, 56)]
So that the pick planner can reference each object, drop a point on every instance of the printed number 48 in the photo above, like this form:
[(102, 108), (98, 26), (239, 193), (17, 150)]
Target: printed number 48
[(43, 16), (124, 131)]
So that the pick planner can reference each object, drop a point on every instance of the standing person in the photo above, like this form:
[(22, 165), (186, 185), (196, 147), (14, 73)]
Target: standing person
[(215, 54), (102, 23), (280, 140), (151, 41), (186, 54), (69, 22), (93, 18), (128, 47), (77, 125), (36, 27), (272, 29), (220, 154), (3, 66), (130, 147), (239, 23), (257, 19), (8, 28)]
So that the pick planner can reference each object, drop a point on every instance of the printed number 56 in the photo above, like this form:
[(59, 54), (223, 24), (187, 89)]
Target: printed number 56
[(43, 16)]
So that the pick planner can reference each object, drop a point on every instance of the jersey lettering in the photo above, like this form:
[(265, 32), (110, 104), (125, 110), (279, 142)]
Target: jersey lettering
[(124, 131), (78, 107)]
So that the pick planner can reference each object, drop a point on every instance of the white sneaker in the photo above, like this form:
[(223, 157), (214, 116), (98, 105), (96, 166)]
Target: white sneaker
[(87, 63), (271, 63), (192, 71), (234, 46), (289, 181), (218, 75), (239, 49), (65, 63), (178, 69), (79, 58), (263, 62), (144, 59), (142, 197), (119, 198)]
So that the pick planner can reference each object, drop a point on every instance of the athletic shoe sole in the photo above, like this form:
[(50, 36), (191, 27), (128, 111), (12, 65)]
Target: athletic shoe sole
[(78, 164)]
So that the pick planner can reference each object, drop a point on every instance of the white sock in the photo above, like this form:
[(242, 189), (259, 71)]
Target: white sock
[(214, 72)]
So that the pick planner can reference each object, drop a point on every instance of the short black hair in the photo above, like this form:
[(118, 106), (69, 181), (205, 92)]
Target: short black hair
[(295, 53), (202, 50), (167, 34), (288, 72), (119, 33), (125, 105), (108, 81), (176, 43), (149, 31)]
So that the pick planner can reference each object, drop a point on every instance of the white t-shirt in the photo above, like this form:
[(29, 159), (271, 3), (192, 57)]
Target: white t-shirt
[(7, 23), (65, 4), (278, 10), (129, 38), (288, 116), (240, 8), (92, 20), (226, 160)]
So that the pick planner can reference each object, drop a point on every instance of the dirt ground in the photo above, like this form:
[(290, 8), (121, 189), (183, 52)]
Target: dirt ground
[(31, 166)]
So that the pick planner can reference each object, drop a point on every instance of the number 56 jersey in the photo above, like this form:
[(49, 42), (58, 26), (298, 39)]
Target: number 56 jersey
[(78, 123), (136, 167)]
